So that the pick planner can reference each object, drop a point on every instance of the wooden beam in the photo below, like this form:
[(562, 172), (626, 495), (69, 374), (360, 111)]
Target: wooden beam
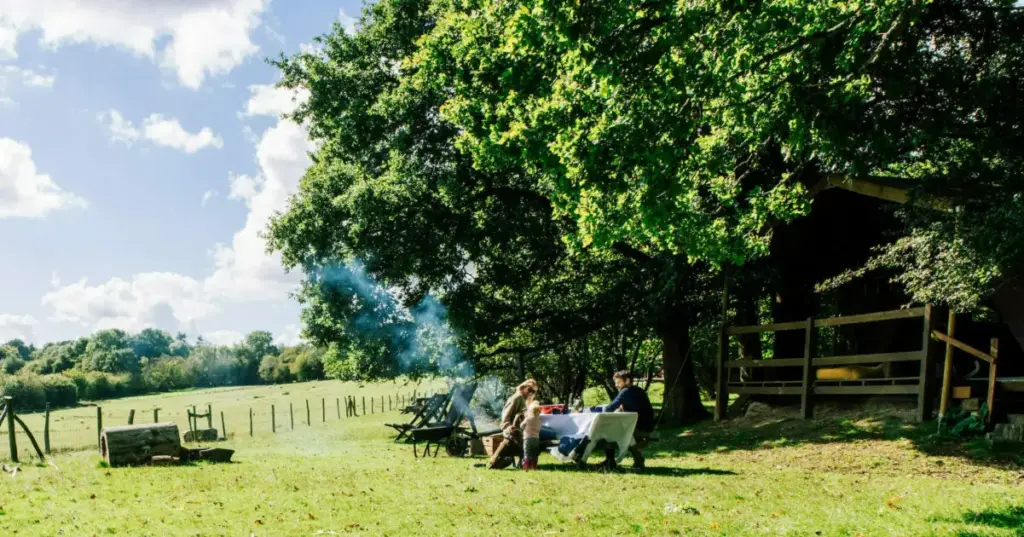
[(768, 390), (883, 389), (994, 351), (774, 327), (866, 187), (890, 315), (947, 369), (772, 362), (963, 346), (880, 358)]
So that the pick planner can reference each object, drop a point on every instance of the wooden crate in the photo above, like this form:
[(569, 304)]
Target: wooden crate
[(491, 443), (476, 448)]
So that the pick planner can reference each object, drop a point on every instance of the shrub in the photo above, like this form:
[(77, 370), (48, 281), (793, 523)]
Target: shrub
[(59, 390), (93, 385), (167, 373)]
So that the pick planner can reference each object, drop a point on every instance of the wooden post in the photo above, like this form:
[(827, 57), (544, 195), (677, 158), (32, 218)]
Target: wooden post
[(308, 420), (291, 415), (250, 421), (9, 410), (195, 419), (925, 387), (382, 404), (99, 425), (947, 370), (364, 405), (209, 416), (46, 430), (337, 402), (389, 403), (994, 351), (273, 419), (223, 428), (131, 416), (156, 415), (323, 409), (807, 399), (722, 384)]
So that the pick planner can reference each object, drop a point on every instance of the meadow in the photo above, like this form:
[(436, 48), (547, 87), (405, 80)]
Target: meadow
[(873, 475)]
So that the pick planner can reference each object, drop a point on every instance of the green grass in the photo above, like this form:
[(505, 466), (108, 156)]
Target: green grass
[(839, 476)]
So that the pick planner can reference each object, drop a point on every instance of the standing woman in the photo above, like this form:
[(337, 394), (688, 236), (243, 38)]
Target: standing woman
[(511, 420)]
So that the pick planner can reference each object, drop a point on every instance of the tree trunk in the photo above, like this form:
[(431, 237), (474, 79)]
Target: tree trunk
[(682, 404), (138, 444)]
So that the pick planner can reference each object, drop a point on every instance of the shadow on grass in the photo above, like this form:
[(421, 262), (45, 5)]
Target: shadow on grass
[(1011, 518), (768, 432), (662, 471)]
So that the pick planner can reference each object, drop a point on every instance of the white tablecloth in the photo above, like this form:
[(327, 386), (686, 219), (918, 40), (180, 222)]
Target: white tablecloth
[(610, 426)]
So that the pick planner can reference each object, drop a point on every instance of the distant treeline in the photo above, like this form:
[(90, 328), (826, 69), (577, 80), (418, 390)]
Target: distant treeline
[(114, 363)]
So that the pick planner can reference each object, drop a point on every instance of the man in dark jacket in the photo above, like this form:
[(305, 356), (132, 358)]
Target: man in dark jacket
[(634, 399)]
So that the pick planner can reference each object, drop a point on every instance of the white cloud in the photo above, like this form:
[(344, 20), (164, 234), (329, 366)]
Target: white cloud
[(270, 100), (24, 192), (54, 279), (13, 76), (348, 22), (16, 327), (207, 196), (290, 336), (161, 131), (168, 132), (242, 272), (158, 299), (193, 38), (223, 337)]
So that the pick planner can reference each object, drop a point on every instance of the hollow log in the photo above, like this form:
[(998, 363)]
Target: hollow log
[(138, 444)]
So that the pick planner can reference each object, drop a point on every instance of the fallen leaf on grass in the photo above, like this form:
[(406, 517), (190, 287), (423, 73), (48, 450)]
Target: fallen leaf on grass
[(258, 522), (715, 526), (580, 517), (310, 516)]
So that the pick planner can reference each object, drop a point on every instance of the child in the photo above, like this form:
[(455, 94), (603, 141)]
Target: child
[(531, 436)]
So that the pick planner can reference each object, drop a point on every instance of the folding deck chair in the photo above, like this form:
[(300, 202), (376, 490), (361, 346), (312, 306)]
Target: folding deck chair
[(447, 431), (433, 408)]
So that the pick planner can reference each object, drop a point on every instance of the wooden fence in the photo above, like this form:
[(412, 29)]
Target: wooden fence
[(352, 406), (808, 386), (991, 357)]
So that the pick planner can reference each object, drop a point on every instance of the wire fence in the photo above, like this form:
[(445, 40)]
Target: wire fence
[(79, 429)]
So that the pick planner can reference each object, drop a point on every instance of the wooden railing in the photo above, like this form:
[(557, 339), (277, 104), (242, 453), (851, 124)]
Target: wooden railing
[(991, 357), (808, 385)]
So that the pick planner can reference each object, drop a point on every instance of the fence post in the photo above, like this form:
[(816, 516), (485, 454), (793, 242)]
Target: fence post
[(291, 415), (993, 350), (364, 404), (99, 426), (323, 408), (9, 406), (131, 416), (250, 421), (308, 421), (156, 415), (46, 430), (209, 416), (947, 366), (223, 428), (806, 400), (273, 419), (337, 402)]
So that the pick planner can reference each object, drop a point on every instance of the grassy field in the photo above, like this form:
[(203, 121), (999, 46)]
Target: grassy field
[(870, 476)]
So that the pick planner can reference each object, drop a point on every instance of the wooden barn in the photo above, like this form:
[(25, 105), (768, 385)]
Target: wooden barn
[(862, 339)]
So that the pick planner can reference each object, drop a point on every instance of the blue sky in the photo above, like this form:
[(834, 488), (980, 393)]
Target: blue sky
[(141, 153)]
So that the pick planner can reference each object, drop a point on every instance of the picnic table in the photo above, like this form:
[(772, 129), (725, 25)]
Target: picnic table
[(600, 428)]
